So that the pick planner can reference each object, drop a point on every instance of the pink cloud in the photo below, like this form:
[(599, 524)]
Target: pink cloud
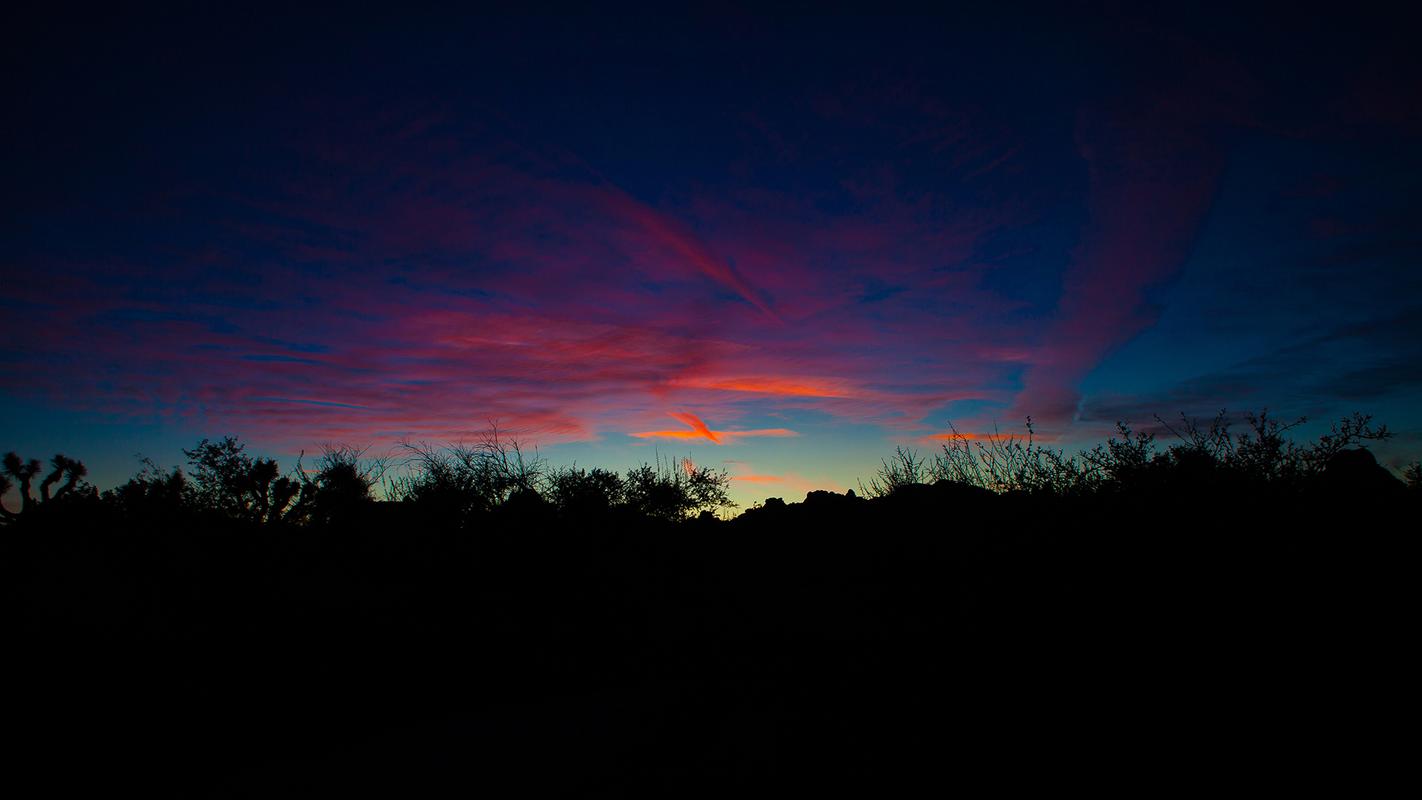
[(410, 286), (1153, 172)]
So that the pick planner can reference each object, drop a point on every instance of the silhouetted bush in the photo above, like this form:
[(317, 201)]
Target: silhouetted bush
[(461, 480), (1203, 454), (339, 488), (575, 491), (905, 468)]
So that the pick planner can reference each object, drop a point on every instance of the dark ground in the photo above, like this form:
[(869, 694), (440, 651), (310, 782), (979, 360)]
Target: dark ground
[(943, 638)]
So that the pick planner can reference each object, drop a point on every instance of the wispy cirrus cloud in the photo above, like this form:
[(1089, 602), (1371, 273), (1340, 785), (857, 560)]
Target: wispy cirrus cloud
[(412, 288)]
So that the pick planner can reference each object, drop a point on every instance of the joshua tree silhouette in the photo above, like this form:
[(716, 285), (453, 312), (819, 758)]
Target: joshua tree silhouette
[(23, 473)]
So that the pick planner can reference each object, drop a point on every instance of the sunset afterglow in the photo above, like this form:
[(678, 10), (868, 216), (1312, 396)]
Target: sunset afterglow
[(725, 242)]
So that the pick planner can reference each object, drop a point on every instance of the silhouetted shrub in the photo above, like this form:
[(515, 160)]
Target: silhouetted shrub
[(574, 491), (904, 468), (1203, 454), (671, 491), (1011, 463), (459, 480), (339, 487)]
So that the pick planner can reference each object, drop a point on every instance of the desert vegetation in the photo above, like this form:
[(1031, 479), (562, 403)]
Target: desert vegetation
[(1256, 450), (354, 624), (459, 482)]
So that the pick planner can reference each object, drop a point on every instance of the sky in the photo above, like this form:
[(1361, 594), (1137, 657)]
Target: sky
[(776, 244)]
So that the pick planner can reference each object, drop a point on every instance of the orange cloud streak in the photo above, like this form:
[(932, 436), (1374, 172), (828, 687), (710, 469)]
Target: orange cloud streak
[(700, 430), (696, 424), (670, 435)]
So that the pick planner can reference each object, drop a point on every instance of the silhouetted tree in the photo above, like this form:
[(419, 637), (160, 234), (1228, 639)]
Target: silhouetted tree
[(709, 489), (21, 474), (227, 480), (673, 491), (1352, 431), (152, 492)]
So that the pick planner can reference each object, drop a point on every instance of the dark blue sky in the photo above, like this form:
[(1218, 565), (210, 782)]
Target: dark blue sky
[(779, 243)]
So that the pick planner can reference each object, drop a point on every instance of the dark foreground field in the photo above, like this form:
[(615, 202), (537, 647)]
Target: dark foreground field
[(943, 634)]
